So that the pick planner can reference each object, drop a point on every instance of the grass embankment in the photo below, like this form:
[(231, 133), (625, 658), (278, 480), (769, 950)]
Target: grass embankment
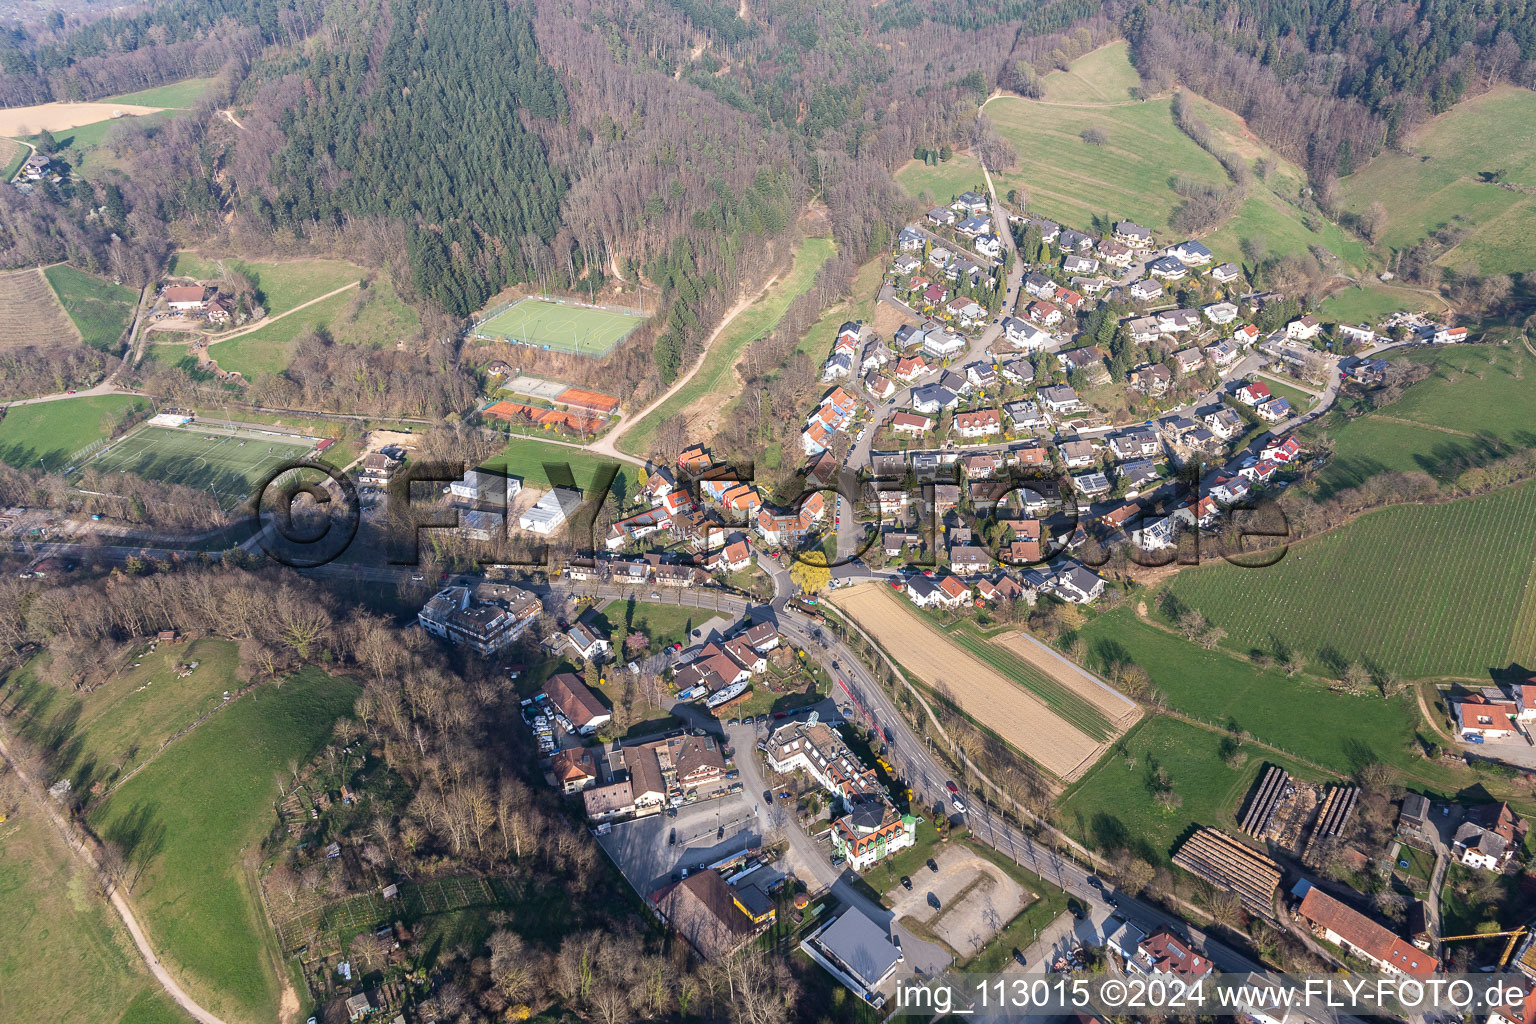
[(752, 323), (191, 826), (100, 309)]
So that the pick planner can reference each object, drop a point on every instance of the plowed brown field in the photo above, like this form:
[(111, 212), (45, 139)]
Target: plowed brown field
[(980, 691)]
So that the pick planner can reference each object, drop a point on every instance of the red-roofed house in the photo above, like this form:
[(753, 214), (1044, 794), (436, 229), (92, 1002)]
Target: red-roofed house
[(1043, 312), (1349, 928), (1256, 393), (1164, 953), (1281, 451)]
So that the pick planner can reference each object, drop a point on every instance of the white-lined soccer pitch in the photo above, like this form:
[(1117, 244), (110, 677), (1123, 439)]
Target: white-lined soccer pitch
[(225, 463)]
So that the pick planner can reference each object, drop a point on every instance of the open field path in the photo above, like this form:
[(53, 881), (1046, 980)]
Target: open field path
[(608, 444), (84, 852), (264, 321)]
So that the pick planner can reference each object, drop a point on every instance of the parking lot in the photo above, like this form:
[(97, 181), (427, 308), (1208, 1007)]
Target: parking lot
[(976, 898), (644, 852)]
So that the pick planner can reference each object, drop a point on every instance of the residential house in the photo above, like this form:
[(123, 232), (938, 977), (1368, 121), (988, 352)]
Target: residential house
[(879, 387), (933, 398), (1088, 359), (981, 375), (1355, 933), (974, 227), (1152, 379), (1230, 490), (1191, 254), (1074, 241), (1144, 329), (1167, 268), (1077, 454), (1487, 714), (1222, 354), (1163, 954), (1281, 450), (894, 542), (574, 770), (1220, 312), (1115, 253), (1043, 312), (1136, 443), (1246, 335), (1188, 360), (1092, 485), (1040, 286), (1225, 273), (1450, 335), (1132, 234), (967, 311), (941, 592), (1080, 265), (910, 239), (1024, 415), (973, 203), (1224, 423), (1077, 584), (1137, 474), (968, 559), (1304, 329), (637, 527), (1050, 231), (1023, 335), (942, 343), (913, 426), (1069, 299), (1177, 321), (1274, 410), (1091, 285), (1017, 371), (978, 423), (586, 643), (1489, 837), (1361, 335), (1145, 290), (1060, 399), (1255, 393), (941, 216), (910, 368)]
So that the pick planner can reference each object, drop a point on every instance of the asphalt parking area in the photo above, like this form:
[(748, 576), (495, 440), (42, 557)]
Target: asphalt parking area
[(645, 854)]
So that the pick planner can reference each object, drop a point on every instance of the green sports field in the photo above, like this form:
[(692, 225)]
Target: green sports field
[(559, 327), (206, 458)]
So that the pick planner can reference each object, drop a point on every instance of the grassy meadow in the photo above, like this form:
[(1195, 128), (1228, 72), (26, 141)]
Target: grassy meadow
[(1393, 589), (1478, 403), (372, 316), (1298, 714), (71, 959), (49, 432), (526, 457), (191, 826), (1369, 303), (943, 181), (1438, 181), (1115, 805), (754, 322), (1103, 76), (280, 285), (100, 309), (94, 738), (177, 94), (1071, 181)]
